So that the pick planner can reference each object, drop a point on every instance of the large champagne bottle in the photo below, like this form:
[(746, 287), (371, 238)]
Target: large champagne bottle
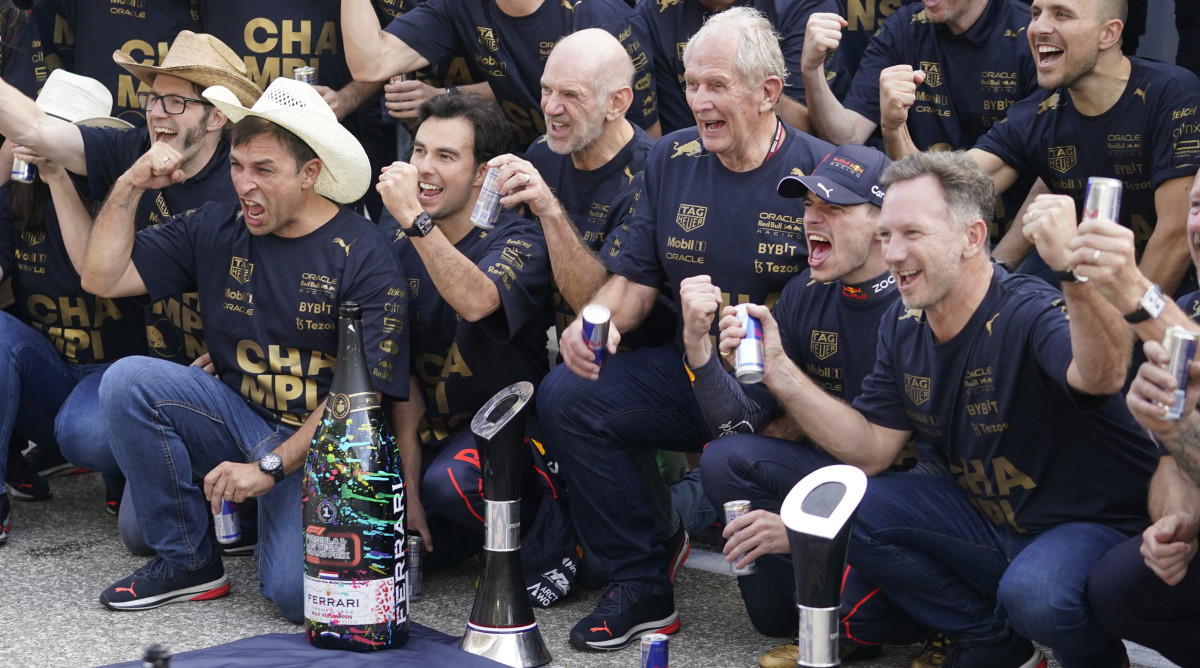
[(354, 559)]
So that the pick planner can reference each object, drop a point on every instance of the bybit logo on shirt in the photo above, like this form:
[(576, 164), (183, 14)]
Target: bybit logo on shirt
[(240, 269), (690, 216), (487, 38), (933, 73), (1061, 158), (917, 388), (823, 344)]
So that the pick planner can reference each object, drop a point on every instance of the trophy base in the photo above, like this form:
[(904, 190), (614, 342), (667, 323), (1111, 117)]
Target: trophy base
[(520, 647)]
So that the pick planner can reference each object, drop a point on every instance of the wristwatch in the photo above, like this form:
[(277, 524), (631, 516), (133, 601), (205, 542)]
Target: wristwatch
[(272, 465), (421, 226), (1151, 305)]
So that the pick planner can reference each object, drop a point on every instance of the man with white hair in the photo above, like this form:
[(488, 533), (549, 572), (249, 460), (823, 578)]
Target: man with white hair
[(707, 206), (270, 274)]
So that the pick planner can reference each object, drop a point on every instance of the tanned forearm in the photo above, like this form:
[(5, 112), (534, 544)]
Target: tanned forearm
[(1100, 341), (461, 283), (577, 270)]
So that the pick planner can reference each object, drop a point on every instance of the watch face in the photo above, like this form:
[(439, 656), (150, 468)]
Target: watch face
[(270, 461)]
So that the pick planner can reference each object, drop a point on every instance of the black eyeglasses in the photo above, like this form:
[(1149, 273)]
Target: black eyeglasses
[(171, 104)]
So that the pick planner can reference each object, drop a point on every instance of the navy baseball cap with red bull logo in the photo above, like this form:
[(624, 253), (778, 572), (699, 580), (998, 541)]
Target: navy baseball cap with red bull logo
[(849, 175)]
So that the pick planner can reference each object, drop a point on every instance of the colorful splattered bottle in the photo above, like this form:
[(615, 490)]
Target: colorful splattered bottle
[(354, 557)]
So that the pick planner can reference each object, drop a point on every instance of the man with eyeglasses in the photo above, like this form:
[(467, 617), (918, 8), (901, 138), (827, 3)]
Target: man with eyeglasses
[(190, 129)]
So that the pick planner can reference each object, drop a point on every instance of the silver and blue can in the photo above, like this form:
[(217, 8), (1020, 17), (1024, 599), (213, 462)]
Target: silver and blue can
[(226, 523), (305, 74), (748, 358), (487, 205), (654, 650), (595, 331), (1103, 199), (22, 171), (734, 510), (414, 547), (1181, 346), (398, 78)]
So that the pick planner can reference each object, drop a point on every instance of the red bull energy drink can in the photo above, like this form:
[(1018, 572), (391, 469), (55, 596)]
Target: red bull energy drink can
[(414, 546), (226, 523), (1103, 198), (1181, 346), (595, 331), (734, 510), (748, 358), (487, 205), (654, 650), (305, 74), (398, 78), (22, 171)]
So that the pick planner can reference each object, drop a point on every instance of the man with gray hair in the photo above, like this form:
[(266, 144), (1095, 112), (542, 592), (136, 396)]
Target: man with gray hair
[(707, 205), (1047, 468)]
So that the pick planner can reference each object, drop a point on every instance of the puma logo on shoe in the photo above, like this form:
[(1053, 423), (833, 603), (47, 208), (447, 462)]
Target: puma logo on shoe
[(128, 589), (602, 628)]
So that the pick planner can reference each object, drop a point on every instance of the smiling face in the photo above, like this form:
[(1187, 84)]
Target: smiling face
[(729, 112), (922, 247), (270, 185), (184, 132), (839, 240), (448, 178), (1066, 37), (1193, 221)]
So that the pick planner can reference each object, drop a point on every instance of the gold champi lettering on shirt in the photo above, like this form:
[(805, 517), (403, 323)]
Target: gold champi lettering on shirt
[(988, 493), (299, 43)]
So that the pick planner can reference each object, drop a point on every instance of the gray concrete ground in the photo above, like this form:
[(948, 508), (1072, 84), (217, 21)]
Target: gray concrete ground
[(64, 551)]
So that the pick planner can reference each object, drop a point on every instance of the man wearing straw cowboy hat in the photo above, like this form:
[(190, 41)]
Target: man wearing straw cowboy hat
[(270, 274), (181, 129)]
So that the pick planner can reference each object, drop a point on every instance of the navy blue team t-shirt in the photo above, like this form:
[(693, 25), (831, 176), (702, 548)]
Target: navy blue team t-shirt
[(84, 328), (1151, 135), (670, 24), (509, 52), (1029, 452), (460, 365), (695, 216), (271, 303), (22, 57)]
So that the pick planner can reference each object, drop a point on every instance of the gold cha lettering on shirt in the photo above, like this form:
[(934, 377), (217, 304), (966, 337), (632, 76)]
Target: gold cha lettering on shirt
[(691, 217), (240, 269), (917, 388), (1061, 158), (823, 344)]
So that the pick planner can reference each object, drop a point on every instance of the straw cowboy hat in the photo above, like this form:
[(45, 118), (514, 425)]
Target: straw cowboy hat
[(298, 107), (201, 59), (79, 100)]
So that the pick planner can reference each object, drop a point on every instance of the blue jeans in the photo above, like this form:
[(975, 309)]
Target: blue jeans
[(605, 434), (170, 425), (943, 564), (38, 385)]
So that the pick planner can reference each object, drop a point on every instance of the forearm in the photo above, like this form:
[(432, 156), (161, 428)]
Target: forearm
[(356, 93), (1100, 341), (1013, 247), (793, 113), (406, 419), (828, 118), (1165, 260), (628, 302), (372, 53), (24, 124), (74, 221), (1172, 491), (294, 450), (577, 270), (1185, 446), (898, 142), (461, 283), (110, 245), (727, 409)]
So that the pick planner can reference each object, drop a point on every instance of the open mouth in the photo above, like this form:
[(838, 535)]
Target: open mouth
[(428, 191), (712, 127), (907, 277), (164, 134), (253, 210), (1048, 54), (819, 250)]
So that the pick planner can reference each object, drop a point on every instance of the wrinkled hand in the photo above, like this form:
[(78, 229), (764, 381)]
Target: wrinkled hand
[(205, 362), (897, 94), (235, 482), (404, 98), (822, 36), (331, 98), (1152, 392), (521, 183), (158, 167), (732, 334), (575, 353), (47, 169), (1050, 226), (753, 535), (398, 187), (1168, 546), (699, 302)]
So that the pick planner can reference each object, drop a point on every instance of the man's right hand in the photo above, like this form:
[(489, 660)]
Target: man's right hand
[(577, 356), (699, 302), (897, 94), (822, 36), (1152, 391), (158, 168)]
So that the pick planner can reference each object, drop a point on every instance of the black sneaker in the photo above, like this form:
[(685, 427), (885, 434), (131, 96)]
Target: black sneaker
[(23, 483), (5, 527), (112, 500), (679, 545), (49, 462), (159, 583), (1016, 652), (621, 616), (934, 654)]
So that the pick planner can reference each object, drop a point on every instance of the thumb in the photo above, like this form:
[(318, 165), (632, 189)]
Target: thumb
[(918, 77)]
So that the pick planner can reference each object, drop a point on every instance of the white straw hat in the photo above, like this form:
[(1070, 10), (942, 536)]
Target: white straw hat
[(298, 107), (79, 100)]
